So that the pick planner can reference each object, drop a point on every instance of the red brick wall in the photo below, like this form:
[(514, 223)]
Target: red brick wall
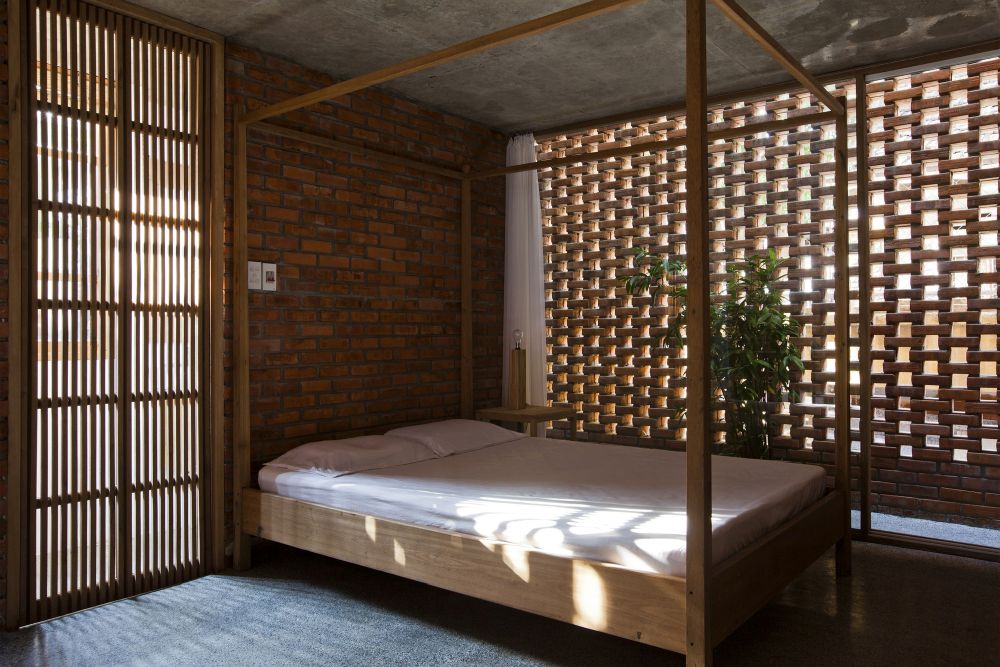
[(363, 330)]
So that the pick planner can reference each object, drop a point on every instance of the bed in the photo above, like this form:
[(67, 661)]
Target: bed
[(587, 533), (689, 614)]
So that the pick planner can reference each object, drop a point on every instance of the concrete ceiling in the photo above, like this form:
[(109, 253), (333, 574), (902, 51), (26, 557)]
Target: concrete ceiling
[(629, 59)]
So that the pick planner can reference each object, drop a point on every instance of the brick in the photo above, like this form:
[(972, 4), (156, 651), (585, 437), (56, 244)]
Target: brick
[(364, 329)]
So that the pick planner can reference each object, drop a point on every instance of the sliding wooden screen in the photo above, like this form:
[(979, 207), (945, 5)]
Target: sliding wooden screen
[(117, 266)]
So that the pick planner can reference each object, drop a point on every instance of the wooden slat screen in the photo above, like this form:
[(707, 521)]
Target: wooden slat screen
[(118, 198)]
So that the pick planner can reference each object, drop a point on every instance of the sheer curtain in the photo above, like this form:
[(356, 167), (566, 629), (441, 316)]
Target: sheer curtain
[(524, 289)]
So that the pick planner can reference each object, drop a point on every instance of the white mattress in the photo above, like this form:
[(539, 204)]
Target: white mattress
[(607, 503)]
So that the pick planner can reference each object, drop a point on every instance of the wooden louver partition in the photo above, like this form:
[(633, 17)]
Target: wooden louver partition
[(115, 306)]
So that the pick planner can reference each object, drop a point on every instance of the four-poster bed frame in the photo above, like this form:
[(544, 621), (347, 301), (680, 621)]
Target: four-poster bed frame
[(685, 614)]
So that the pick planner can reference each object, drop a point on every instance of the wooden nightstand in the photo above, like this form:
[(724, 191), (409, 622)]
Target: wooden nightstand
[(533, 416)]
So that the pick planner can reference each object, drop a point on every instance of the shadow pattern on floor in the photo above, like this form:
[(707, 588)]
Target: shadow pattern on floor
[(902, 607)]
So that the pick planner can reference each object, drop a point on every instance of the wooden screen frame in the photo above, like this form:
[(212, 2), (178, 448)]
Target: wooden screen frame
[(17, 507)]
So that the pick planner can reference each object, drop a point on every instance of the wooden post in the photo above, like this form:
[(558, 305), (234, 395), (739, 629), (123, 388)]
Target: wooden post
[(467, 349), (842, 315), (864, 298), (217, 220), (699, 461), (241, 346), (518, 392), (17, 396)]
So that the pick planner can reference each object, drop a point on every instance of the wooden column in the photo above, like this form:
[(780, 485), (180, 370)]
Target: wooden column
[(241, 346), (864, 298), (216, 444), (699, 462), (17, 526), (467, 348), (842, 315)]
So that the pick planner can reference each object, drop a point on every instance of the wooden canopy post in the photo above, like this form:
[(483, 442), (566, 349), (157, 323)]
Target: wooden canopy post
[(842, 328), (699, 451), (241, 347), (864, 297), (467, 347)]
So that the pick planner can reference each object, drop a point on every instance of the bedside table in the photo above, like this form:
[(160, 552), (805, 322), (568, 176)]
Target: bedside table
[(533, 416)]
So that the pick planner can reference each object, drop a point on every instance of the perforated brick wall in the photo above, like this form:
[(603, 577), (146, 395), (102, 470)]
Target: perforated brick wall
[(933, 266), (934, 172)]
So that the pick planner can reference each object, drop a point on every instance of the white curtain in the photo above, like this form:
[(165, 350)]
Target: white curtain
[(524, 287)]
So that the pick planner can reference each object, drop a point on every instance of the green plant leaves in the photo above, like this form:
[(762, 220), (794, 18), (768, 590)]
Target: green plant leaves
[(753, 355)]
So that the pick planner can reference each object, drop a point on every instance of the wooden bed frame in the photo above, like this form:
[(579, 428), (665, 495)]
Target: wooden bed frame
[(688, 614), (642, 606)]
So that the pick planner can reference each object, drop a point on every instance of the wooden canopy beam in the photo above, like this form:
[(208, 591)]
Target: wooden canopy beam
[(675, 142), (357, 149), (757, 92), (442, 56), (791, 64)]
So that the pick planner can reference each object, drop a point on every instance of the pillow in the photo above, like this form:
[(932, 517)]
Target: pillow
[(456, 435), (350, 455)]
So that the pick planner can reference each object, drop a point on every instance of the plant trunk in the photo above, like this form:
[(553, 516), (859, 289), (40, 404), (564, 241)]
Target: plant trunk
[(746, 429)]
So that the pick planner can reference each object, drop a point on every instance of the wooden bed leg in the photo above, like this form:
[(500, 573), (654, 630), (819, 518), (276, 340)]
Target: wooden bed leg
[(241, 551), (843, 556)]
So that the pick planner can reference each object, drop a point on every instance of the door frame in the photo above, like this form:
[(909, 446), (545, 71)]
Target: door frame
[(15, 611)]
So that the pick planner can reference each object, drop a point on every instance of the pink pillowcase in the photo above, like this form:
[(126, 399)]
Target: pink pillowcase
[(454, 436), (350, 455)]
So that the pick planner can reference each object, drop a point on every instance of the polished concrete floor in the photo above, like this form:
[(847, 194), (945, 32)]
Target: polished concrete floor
[(901, 607), (935, 530)]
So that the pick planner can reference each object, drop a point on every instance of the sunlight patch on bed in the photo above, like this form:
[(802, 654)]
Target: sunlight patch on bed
[(663, 524), (662, 549), (516, 558), (600, 522), (398, 553), (371, 528), (589, 598)]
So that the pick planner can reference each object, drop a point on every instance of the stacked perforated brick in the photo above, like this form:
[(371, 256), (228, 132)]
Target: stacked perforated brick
[(776, 191), (766, 191), (935, 169)]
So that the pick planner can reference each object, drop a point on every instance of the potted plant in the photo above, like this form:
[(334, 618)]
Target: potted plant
[(752, 353)]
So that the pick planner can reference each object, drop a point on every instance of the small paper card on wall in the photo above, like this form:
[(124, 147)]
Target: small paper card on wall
[(269, 282), (253, 275)]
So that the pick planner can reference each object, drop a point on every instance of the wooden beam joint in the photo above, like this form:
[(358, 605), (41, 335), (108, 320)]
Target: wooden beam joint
[(755, 31)]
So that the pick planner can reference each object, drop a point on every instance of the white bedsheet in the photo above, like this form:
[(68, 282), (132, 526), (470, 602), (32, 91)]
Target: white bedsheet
[(608, 503)]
